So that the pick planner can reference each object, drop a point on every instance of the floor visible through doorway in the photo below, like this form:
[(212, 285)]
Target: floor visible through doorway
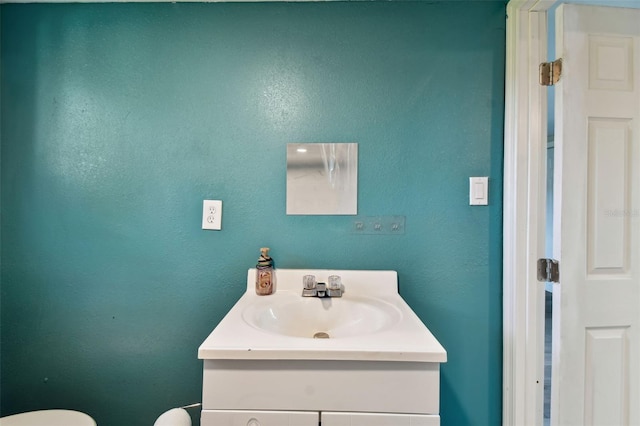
[(547, 358)]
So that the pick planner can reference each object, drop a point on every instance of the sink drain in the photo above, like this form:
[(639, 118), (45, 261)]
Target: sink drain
[(321, 335)]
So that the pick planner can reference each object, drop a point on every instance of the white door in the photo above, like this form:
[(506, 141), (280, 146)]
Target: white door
[(596, 353)]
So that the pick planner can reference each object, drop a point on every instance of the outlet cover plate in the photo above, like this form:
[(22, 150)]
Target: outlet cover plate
[(212, 215)]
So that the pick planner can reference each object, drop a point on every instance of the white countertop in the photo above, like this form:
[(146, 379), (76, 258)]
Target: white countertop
[(406, 339)]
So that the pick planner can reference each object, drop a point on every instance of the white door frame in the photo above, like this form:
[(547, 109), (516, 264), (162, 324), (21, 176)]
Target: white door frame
[(525, 146), (525, 139)]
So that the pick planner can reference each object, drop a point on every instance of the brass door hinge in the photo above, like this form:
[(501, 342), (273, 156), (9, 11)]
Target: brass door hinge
[(550, 72), (548, 270)]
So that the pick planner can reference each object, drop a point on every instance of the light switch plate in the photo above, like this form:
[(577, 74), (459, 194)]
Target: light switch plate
[(479, 191), (212, 214)]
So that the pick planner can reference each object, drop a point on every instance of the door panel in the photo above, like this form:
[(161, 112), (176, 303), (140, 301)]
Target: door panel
[(609, 149), (596, 309), (606, 376)]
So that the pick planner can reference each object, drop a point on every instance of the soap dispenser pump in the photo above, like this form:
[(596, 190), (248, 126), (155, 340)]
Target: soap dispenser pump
[(265, 274)]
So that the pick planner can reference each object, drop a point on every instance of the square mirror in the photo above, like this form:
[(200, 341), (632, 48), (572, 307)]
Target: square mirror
[(322, 178)]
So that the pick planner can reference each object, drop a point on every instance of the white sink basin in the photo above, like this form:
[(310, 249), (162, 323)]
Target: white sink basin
[(369, 322), (311, 317)]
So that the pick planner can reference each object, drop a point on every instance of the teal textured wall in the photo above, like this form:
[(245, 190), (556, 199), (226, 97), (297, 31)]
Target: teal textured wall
[(119, 119)]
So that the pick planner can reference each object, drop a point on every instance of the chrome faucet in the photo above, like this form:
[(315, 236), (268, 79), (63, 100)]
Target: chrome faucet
[(312, 288)]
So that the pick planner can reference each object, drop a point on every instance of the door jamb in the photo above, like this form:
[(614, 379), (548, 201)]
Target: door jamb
[(525, 149)]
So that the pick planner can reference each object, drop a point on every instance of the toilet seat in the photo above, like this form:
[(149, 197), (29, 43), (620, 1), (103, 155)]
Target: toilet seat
[(48, 418)]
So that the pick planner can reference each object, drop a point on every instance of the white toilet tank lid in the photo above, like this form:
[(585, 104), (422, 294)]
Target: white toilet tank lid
[(48, 418)]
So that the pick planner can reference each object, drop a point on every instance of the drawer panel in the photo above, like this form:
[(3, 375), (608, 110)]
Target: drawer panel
[(258, 418), (341, 386), (378, 419)]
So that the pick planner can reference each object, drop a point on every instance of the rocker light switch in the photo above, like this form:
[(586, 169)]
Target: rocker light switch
[(479, 191)]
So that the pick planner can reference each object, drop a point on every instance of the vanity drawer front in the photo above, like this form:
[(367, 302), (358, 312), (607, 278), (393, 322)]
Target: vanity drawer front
[(334, 386), (258, 418), (378, 419)]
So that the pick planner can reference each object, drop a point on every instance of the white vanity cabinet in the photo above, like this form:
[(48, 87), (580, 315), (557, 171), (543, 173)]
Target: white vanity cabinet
[(391, 393), (379, 367)]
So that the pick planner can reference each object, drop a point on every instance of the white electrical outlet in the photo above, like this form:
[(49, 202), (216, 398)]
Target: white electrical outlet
[(212, 214)]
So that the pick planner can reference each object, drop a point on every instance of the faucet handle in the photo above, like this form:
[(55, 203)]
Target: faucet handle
[(335, 282), (309, 282), (309, 286), (335, 286)]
